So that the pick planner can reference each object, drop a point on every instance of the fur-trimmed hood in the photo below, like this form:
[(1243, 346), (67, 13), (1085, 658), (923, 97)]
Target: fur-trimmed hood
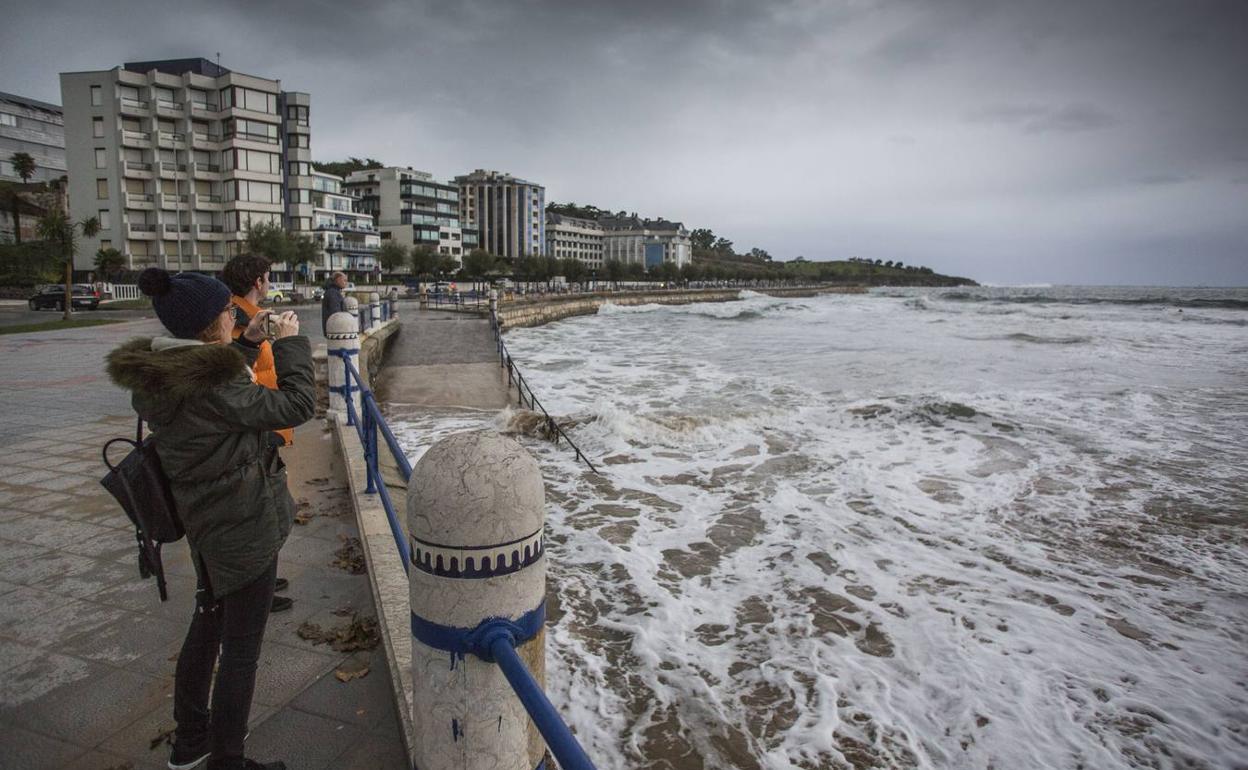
[(173, 371)]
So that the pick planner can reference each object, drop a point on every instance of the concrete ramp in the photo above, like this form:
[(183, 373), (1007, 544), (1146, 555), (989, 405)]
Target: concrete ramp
[(443, 360)]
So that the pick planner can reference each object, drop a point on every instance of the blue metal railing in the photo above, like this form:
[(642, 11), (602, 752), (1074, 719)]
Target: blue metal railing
[(497, 640), (550, 426)]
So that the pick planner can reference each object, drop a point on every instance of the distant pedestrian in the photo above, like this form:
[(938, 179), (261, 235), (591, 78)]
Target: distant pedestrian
[(214, 433), (333, 301), (247, 277)]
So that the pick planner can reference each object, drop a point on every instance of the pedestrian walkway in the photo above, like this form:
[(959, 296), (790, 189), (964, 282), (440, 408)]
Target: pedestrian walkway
[(87, 650), (443, 359)]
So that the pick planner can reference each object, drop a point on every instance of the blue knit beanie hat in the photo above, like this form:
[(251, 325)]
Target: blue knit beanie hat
[(186, 303)]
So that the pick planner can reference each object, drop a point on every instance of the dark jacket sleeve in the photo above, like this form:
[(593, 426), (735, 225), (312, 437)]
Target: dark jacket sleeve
[(337, 302), (244, 405)]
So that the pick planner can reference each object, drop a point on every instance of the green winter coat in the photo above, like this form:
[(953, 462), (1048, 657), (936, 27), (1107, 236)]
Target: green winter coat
[(212, 426)]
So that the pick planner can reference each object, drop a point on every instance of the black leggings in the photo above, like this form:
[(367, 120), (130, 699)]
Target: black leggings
[(235, 624)]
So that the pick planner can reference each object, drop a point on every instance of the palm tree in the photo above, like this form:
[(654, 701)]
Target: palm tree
[(61, 234), (109, 262), (23, 164)]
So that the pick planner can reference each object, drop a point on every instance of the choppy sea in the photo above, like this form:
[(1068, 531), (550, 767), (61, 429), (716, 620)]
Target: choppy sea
[(981, 528)]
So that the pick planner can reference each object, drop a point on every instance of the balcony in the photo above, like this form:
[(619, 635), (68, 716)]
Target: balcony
[(206, 170), (177, 228), (140, 231), (203, 107), (209, 232), (130, 106), (140, 201), (172, 170), (137, 169), (169, 137), (131, 138), (206, 141), (166, 105), (171, 201)]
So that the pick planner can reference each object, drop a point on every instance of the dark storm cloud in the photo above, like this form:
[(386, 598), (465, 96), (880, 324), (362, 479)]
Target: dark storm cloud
[(1008, 141)]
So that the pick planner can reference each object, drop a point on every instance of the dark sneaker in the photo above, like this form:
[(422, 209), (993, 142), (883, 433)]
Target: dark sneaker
[(281, 604), (281, 585), (184, 757)]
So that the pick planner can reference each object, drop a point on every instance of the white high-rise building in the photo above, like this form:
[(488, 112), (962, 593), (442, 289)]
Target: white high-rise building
[(412, 208), (179, 158), (348, 239)]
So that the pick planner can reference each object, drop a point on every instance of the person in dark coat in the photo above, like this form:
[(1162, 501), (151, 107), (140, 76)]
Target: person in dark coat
[(213, 427), (334, 301)]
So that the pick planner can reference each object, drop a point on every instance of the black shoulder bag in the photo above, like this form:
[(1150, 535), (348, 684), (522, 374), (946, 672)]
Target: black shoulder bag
[(141, 487)]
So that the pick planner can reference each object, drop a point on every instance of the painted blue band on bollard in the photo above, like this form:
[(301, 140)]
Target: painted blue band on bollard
[(465, 640), (342, 389)]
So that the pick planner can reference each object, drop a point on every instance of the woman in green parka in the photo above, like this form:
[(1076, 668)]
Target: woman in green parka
[(213, 427)]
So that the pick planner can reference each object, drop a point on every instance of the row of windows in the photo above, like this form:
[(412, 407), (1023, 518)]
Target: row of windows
[(249, 99)]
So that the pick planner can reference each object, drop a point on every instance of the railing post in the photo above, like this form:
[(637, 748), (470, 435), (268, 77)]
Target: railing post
[(342, 338), (370, 445), (352, 305), (475, 557), (374, 311)]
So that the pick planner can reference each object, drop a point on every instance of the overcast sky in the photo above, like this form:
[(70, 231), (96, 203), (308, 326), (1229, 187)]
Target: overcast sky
[(1071, 141)]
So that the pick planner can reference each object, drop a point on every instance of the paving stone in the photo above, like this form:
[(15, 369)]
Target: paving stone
[(64, 481), (123, 641), (25, 602), (365, 702), (39, 675), (374, 752), (26, 478), (49, 564), (103, 760), (141, 596), (93, 707), (285, 671), (21, 748), (14, 654), (43, 502), (63, 621), (287, 736)]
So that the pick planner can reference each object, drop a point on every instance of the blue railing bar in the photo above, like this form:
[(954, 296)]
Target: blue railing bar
[(562, 743), (366, 428)]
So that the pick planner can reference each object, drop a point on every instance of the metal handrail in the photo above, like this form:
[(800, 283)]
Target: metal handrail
[(496, 642), (553, 430), (367, 426)]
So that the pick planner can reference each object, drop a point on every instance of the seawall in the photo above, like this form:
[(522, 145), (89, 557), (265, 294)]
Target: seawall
[(548, 308)]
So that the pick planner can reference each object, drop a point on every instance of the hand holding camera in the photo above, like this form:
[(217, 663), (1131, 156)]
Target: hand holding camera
[(272, 326)]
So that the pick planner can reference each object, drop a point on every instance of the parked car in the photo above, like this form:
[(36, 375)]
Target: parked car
[(82, 295), (276, 296)]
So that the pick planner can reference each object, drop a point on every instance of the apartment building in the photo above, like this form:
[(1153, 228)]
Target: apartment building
[(179, 158), (508, 213), (412, 208), (649, 242), (576, 238), (348, 239), (35, 128)]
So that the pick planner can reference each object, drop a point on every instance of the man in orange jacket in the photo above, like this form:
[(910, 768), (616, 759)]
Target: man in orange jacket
[(247, 276)]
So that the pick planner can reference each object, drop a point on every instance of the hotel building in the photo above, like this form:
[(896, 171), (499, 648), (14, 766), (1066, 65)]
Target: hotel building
[(509, 213), (410, 207), (576, 238), (35, 128), (179, 158), (645, 241)]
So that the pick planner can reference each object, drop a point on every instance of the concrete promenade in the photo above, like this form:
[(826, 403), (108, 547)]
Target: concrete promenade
[(87, 649), (443, 360)]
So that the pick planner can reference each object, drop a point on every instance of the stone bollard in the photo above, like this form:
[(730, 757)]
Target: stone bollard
[(393, 299), (342, 335), (475, 515), (493, 301), (351, 305), (374, 306)]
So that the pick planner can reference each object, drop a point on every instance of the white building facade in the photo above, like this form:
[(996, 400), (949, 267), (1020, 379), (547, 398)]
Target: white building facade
[(630, 239), (576, 238), (412, 208), (348, 239), (179, 158), (509, 213)]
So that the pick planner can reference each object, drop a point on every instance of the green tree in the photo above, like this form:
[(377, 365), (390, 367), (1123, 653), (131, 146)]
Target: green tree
[(702, 239), (23, 165), (635, 270), (723, 246), (572, 269), (109, 262), (615, 270), (345, 167), (479, 265), (306, 251), (424, 260), (392, 255), (270, 240), (446, 265), (61, 235)]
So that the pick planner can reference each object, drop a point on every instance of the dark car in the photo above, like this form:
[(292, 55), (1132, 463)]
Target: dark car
[(83, 295)]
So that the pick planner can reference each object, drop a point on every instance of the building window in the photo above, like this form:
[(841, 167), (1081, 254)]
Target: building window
[(106, 244), (104, 220), (97, 127), (300, 168), (297, 113), (8, 120), (97, 97), (297, 140), (101, 157), (101, 189)]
